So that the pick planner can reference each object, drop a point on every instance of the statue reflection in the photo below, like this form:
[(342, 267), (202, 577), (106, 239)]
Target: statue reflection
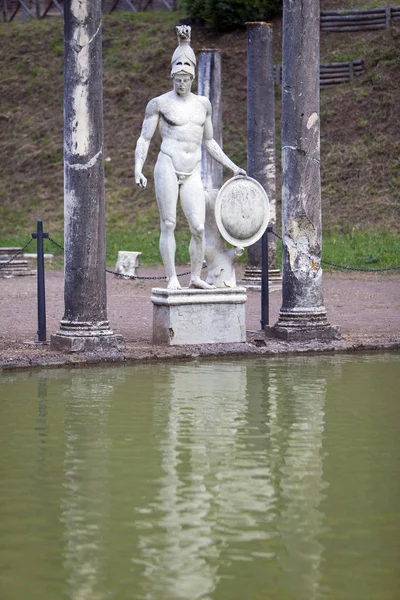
[(214, 491), (243, 481)]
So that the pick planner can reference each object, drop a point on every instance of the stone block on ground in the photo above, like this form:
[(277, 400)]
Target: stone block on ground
[(127, 263)]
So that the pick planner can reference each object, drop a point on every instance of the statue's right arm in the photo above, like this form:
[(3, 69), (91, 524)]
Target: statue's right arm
[(142, 146)]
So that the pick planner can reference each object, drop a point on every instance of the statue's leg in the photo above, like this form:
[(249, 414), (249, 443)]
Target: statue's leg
[(167, 190), (194, 207)]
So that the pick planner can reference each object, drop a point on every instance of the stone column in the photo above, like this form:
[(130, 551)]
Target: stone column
[(209, 85), (84, 325), (302, 315), (261, 137)]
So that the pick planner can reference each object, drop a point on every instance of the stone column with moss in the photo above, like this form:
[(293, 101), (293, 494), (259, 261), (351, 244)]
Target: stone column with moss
[(85, 325), (209, 78), (302, 316), (261, 139)]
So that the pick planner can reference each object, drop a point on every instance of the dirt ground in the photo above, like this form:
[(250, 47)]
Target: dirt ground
[(365, 306)]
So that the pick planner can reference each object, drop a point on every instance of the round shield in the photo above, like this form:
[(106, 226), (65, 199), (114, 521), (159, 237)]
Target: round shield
[(242, 211)]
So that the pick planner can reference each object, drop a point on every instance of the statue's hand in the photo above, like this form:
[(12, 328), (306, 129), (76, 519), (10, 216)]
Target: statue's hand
[(239, 171), (141, 180)]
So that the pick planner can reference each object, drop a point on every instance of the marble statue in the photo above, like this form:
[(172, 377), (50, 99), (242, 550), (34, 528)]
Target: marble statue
[(184, 122), (219, 258)]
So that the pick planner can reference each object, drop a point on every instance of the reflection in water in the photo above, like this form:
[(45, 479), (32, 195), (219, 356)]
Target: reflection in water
[(214, 481), (85, 505), (228, 490)]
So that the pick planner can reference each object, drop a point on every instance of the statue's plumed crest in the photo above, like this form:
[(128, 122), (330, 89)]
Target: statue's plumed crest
[(183, 59)]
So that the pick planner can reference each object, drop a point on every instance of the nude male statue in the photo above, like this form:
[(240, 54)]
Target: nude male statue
[(184, 122)]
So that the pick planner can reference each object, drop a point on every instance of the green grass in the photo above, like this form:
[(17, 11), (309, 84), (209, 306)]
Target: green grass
[(362, 249), (358, 249)]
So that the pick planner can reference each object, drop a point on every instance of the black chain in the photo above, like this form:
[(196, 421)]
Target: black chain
[(326, 262), (142, 276), (55, 243), (15, 255), (332, 264)]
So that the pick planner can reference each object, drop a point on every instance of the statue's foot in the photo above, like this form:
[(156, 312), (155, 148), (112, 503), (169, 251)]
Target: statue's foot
[(173, 283), (196, 282)]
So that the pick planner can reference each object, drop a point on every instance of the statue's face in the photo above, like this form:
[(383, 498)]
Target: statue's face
[(182, 83)]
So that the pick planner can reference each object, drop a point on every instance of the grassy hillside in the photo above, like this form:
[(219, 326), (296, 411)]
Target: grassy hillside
[(360, 122)]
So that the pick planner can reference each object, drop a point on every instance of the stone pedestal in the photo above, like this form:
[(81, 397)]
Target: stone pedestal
[(192, 316)]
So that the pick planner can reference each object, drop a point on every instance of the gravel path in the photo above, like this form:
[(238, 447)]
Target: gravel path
[(366, 306)]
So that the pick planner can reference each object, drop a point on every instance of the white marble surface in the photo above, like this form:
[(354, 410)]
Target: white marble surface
[(193, 316)]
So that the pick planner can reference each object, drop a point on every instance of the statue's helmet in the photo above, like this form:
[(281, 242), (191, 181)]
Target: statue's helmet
[(183, 59)]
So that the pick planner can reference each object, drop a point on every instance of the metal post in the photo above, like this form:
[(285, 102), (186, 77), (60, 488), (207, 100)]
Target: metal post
[(264, 282), (39, 236), (5, 11)]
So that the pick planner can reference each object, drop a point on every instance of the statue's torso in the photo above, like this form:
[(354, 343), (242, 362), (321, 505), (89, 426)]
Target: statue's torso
[(181, 126)]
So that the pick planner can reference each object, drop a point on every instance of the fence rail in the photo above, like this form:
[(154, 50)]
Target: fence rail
[(359, 19), (39, 9), (331, 73)]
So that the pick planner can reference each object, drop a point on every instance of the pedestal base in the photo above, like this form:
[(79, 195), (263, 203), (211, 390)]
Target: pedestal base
[(79, 336), (298, 326), (252, 279), (192, 316)]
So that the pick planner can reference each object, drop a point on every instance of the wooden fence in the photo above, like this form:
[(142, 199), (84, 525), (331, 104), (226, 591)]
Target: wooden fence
[(358, 19), (30, 9), (331, 73)]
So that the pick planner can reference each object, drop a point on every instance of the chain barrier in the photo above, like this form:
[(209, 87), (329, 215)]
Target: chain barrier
[(55, 243), (326, 262), (15, 255), (142, 276)]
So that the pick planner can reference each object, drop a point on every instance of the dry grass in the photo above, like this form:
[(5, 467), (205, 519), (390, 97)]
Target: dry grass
[(360, 122)]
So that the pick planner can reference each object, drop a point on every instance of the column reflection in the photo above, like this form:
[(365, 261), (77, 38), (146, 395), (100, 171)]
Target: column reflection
[(85, 505)]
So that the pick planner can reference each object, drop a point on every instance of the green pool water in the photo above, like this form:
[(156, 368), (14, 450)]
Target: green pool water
[(275, 479)]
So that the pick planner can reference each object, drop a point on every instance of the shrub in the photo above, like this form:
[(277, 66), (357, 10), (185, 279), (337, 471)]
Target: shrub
[(223, 15)]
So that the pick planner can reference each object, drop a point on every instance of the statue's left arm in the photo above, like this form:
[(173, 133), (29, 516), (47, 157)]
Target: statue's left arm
[(214, 148)]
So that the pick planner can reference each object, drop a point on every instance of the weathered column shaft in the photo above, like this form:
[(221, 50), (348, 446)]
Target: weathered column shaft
[(261, 125), (302, 295), (84, 205), (209, 85), (85, 283)]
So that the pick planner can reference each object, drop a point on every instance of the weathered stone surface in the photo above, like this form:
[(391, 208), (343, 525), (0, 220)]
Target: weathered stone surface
[(242, 211), (127, 263), (192, 316), (85, 297), (209, 85), (220, 259), (96, 343), (302, 293), (261, 127)]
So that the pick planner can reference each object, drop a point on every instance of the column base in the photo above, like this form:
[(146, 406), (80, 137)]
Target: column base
[(252, 279), (86, 337), (303, 327), (193, 316)]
